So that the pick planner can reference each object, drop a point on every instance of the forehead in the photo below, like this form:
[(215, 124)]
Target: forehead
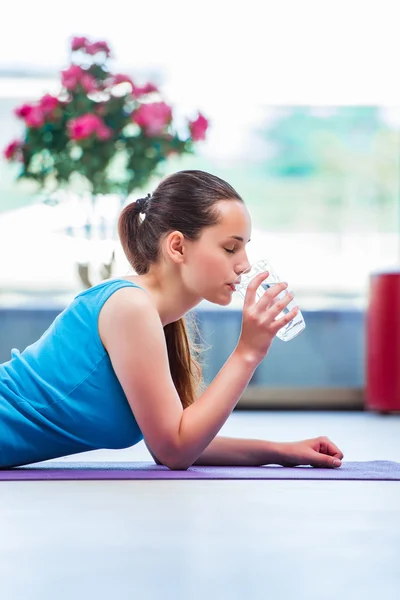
[(234, 220)]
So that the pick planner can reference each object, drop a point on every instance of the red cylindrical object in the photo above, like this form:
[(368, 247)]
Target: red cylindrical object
[(383, 343)]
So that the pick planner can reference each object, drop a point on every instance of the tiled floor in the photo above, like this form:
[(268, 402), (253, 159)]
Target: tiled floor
[(212, 539)]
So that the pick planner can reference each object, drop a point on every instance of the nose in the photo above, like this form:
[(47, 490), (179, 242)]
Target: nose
[(243, 266)]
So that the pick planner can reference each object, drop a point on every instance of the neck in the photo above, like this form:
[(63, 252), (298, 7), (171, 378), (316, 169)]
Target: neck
[(168, 293)]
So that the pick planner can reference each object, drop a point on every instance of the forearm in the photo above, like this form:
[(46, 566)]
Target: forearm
[(230, 451), (202, 420)]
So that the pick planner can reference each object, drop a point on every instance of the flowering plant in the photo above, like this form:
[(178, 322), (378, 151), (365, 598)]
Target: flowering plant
[(101, 125)]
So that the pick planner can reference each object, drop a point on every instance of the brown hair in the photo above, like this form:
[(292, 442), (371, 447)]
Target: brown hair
[(185, 202)]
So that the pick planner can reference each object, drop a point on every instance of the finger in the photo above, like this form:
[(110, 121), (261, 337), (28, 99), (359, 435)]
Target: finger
[(270, 294), (250, 296), (279, 323), (277, 307), (333, 450), (323, 461)]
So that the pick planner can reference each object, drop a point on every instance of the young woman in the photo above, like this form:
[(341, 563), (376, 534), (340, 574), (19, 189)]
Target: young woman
[(118, 364)]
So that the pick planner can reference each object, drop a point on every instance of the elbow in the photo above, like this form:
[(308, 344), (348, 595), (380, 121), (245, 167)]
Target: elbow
[(178, 466), (176, 463), (172, 460), (173, 457), (173, 466)]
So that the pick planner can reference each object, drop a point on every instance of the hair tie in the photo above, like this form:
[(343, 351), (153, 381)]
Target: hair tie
[(142, 204)]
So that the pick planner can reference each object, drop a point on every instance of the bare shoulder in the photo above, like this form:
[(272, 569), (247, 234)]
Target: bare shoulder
[(123, 305), (132, 334)]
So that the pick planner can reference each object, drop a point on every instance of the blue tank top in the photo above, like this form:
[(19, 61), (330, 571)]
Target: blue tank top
[(60, 396)]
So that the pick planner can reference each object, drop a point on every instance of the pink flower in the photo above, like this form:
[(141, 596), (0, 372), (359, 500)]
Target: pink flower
[(103, 132), (74, 75), (71, 77), (153, 117), (35, 118), (88, 82), (198, 128), (14, 150), (78, 43), (48, 103), (120, 78), (86, 125), (146, 89), (23, 110), (32, 115), (96, 47), (137, 90)]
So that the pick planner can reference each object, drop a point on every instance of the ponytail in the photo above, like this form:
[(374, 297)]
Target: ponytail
[(186, 371)]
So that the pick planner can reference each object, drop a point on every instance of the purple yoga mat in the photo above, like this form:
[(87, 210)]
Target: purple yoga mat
[(382, 470)]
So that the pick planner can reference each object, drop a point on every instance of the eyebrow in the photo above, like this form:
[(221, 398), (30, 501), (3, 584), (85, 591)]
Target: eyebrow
[(237, 237)]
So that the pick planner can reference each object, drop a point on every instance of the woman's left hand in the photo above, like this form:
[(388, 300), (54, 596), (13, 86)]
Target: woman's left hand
[(317, 452)]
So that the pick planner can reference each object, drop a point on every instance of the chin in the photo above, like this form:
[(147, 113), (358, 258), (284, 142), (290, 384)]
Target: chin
[(226, 301), (220, 299)]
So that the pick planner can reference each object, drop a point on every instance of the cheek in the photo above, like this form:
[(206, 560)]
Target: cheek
[(209, 263), (212, 262)]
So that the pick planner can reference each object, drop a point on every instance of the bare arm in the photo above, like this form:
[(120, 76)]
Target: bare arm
[(201, 421), (318, 452), (230, 451)]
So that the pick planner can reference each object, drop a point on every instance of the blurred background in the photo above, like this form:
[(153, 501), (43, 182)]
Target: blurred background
[(303, 104)]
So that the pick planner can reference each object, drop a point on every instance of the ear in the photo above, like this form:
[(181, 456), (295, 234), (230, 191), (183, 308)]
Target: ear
[(175, 246)]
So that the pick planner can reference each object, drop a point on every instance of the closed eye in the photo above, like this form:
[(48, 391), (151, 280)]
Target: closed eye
[(230, 251)]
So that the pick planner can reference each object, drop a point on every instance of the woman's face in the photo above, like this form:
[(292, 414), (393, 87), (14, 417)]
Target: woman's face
[(219, 257)]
